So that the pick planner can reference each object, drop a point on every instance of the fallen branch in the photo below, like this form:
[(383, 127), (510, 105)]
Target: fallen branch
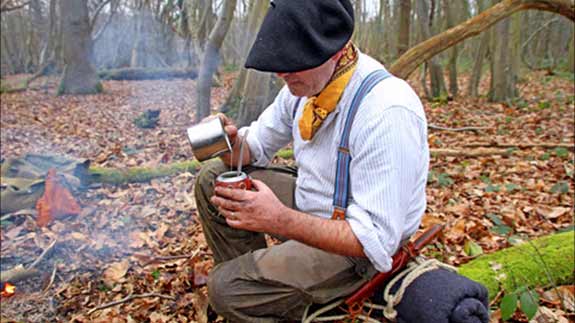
[(19, 272), (434, 127), (26, 212), (526, 265), (480, 152), (427, 49), (52, 277), (131, 74), (130, 298), (521, 145), (159, 259)]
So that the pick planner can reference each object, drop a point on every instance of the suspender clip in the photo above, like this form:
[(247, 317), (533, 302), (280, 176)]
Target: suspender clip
[(338, 213)]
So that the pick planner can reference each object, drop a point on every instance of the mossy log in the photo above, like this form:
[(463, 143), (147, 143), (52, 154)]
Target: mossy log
[(139, 174), (542, 262), (131, 74)]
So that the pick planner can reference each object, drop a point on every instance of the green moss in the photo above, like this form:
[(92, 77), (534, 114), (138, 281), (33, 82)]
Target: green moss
[(140, 174), (543, 262), (61, 89), (4, 88), (99, 87), (285, 153)]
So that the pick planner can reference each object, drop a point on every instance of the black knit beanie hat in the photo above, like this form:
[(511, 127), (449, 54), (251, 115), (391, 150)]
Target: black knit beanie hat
[(297, 35)]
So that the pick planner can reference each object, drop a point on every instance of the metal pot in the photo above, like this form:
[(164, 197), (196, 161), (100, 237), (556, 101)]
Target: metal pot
[(209, 139)]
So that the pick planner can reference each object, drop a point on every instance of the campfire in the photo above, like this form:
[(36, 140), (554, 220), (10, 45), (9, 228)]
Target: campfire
[(8, 289)]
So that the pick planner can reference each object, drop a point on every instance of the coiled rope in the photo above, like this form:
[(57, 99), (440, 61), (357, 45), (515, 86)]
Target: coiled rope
[(414, 269)]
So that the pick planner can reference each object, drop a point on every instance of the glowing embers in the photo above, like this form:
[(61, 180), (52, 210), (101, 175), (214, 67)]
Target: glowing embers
[(8, 289)]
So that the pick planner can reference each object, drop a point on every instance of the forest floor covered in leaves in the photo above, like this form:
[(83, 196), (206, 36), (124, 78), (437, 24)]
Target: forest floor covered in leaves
[(510, 181)]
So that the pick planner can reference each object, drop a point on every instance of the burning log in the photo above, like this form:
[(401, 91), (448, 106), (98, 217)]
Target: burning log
[(8, 290)]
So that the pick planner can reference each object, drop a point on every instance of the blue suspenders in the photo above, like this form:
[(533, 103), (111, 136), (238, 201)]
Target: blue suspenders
[(343, 157)]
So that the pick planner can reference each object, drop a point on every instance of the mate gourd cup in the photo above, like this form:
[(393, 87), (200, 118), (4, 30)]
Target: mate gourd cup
[(234, 180)]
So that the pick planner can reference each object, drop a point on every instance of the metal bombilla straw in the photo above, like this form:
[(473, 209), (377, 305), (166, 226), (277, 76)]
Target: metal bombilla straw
[(239, 171)]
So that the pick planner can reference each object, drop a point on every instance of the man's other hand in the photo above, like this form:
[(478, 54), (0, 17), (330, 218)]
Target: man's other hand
[(258, 211)]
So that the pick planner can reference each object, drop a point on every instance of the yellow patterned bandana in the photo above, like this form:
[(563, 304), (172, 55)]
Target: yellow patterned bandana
[(318, 107)]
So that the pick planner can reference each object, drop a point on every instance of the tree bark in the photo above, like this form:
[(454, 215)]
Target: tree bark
[(502, 78), (435, 70), (450, 10), (404, 20), (211, 58), (422, 52), (79, 76), (48, 50), (480, 53), (255, 18), (259, 91), (572, 54)]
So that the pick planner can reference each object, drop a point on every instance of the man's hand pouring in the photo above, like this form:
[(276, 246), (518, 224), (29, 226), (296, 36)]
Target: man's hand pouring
[(231, 159), (259, 210)]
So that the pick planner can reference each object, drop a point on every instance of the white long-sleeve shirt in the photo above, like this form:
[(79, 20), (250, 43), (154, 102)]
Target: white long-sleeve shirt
[(390, 159)]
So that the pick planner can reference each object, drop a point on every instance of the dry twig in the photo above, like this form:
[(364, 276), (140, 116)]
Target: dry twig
[(130, 298), (52, 277), (434, 127), (20, 272), (168, 258), (26, 212), (522, 145), (468, 153)]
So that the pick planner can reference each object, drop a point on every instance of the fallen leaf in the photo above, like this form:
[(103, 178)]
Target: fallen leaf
[(161, 231), (14, 232), (201, 271), (115, 272), (156, 317), (78, 236), (456, 232), (545, 314), (552, 213), (200, 301), (562, 294), (472, 249)]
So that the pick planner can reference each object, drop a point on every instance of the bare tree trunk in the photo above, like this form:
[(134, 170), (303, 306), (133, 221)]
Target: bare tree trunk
[(205, 23), (478, 58), (418, 54), (502, 84), (79, 76), (256, 93), (255, 19), (48, 54), (450, 10), (404, 20), (514, 51), (435, 70), (572, 54), (211, 58), (7, 60), (384, 29), (481, 51)]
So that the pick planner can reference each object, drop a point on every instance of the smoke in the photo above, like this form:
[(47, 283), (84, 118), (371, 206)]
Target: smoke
[(137, 39)]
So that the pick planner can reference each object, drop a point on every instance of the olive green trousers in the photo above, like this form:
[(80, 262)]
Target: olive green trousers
[(252, 282)]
